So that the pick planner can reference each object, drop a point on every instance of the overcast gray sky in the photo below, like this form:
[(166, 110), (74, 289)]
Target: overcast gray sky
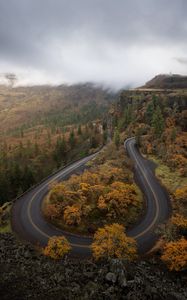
[(115, 42)]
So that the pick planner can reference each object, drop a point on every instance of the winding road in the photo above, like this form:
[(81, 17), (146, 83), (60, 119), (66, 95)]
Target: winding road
[(29, 224)]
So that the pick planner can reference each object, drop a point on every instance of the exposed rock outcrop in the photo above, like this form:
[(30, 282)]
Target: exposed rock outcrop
[(25, 274)]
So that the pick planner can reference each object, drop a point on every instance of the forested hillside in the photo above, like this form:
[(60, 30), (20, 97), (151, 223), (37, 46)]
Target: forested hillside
[(158, 120), (43, 127)]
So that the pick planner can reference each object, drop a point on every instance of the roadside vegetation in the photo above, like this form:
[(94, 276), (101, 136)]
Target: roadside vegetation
[(103, 194), (108, 242), (111, 242), (57, 247), (158, 120), (5, 211)]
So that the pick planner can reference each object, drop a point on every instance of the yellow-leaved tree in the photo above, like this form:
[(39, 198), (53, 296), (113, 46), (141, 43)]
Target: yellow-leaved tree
[(72, 215), (112, 242), (175, 255), (181, 194), (180, 221), (57, 247), (119, 198)]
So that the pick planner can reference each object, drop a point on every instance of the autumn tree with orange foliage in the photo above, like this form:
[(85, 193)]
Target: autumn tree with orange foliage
[(112, 242), (180, 200), (175, 255), (72, 215), (180, 221), (86, 201), (57, 247), (178, 160), (119, 198), (181, 194), (52, 211)]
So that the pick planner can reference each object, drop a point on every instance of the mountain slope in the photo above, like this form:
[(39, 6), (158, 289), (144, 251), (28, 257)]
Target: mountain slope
[(44, 127), (164, 81)]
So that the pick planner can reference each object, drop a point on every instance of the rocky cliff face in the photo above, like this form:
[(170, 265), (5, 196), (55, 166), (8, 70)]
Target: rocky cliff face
[(24, 274)]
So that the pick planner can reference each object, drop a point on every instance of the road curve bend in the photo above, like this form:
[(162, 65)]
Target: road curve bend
[(158, 207), (29, 224)]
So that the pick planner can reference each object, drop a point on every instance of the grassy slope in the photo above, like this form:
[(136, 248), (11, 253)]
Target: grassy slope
[(171, 180)]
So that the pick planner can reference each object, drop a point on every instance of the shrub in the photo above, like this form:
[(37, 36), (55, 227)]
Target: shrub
[(180, 221), (72, 215), (181, 194), (175, 255), (57, 247), (111, 241)]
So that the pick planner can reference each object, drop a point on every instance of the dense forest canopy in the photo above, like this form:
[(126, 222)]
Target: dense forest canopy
[(44, 127)]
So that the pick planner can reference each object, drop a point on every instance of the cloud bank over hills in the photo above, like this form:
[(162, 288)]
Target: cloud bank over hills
[(118, 43)]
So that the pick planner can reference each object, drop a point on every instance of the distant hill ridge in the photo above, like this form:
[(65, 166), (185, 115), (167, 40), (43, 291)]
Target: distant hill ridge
[(167, 81)]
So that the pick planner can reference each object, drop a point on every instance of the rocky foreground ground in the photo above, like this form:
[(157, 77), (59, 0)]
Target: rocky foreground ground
[(25, 274)]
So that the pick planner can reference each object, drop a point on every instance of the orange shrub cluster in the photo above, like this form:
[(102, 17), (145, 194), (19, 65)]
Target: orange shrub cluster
[(92, 196), (170, 122), (181, 194), (52, 211), (72, 215), (149, 148), (179, 161), (57, 247), (175, 255), (117, 200), (179, 221), (111, 241)]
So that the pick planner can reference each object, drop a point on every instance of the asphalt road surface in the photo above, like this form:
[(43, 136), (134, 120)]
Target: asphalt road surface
[(29, 224)]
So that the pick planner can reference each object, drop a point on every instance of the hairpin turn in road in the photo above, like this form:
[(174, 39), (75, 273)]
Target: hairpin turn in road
[(29, 224)]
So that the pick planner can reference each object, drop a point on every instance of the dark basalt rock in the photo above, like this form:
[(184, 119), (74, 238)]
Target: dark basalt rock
[(26, 274)]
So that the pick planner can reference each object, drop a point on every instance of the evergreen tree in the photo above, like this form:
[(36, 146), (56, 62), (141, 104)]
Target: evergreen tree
[(93, 142), (5, 189), (127, 117), (115, 121), (158, 122), (15, 177), (105, 136), (79, 131), (155, 101), (60, 151), (138, 136), (149, 112), (28, 178), (116, 138), (72, 139), (104, 125)]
